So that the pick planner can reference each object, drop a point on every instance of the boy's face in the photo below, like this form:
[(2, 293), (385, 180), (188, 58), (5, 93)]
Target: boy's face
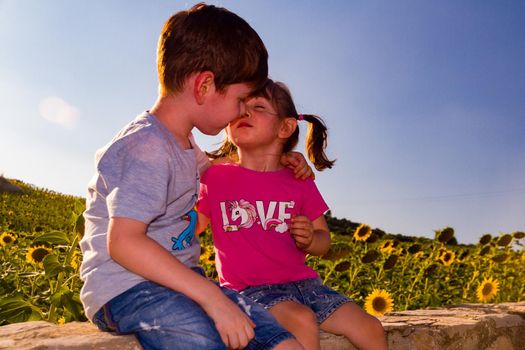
[(224, 107)]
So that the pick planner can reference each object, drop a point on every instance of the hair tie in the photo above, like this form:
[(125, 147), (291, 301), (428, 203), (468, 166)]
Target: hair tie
[(300, 117)]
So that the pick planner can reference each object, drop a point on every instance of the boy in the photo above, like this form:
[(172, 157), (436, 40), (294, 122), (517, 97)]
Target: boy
[(140, 267)]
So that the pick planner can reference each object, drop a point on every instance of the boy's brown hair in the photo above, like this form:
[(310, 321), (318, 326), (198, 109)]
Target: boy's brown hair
[(212, 38)]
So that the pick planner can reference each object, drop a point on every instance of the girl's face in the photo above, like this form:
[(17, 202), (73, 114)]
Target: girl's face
[(258, 126)]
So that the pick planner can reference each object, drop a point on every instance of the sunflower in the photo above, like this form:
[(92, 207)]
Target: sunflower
[(484, 251), (207, 256), (362, 232), (500, 258), (418, 255), (487, 289), (445, 235), (370, 256), (447, 257), (414, 248), (378, 302), (485, 239), (343, 266), (75, 260), (387, 246), (35, 255), (390, 262), (6, 238), (505, 240), (518, 235)]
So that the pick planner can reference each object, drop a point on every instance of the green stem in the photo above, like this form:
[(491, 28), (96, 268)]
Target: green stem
[(58, 286)]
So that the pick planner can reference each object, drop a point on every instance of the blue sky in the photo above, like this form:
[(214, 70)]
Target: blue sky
[(425, 101)]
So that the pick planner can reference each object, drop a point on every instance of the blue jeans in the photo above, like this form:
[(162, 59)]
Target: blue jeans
[(161, 318), (310, 292)]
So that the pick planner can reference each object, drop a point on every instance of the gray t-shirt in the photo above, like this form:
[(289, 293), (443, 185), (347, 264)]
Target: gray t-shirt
[(142, 174)]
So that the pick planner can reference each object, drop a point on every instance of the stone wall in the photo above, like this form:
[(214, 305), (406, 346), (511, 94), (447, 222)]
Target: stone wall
[(463, 327)]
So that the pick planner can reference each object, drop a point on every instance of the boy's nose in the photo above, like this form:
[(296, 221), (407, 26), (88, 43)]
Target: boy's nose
[(243, 109)]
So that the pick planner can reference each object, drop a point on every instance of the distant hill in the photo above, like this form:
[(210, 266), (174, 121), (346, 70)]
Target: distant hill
[(345, 227), (7, 186), (25, 207)]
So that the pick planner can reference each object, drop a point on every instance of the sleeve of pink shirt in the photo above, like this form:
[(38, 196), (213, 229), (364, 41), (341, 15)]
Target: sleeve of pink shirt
[(313, 205)]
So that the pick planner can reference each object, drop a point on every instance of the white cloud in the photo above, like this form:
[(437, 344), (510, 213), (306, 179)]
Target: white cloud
[(57, 111), (281, 228)]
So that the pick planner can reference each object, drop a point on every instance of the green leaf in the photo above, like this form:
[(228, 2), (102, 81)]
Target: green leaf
[(28, 274), (69, 301), (52, 266), (53, 237), (72, 303), (80, 206), (56, 298), (79, 225), (14, 310)]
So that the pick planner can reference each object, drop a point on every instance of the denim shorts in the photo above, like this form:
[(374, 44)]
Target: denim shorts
[(162, 318), (310, 292)]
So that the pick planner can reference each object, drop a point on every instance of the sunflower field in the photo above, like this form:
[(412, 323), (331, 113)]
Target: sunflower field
[(40, 258)]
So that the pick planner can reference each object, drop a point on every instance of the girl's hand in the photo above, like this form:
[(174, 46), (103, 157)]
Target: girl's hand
[(302, 231), (297, 162)]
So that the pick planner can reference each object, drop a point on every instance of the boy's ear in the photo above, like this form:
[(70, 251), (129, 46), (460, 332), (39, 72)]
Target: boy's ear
[(203, 85), (288, 127)]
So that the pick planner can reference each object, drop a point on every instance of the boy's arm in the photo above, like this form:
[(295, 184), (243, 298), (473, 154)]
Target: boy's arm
[(202, 222), (293, 160), (129, 246), (297, 162), (312, 237)]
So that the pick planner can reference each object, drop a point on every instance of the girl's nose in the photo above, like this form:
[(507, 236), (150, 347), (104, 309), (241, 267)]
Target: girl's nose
[(246, 112)]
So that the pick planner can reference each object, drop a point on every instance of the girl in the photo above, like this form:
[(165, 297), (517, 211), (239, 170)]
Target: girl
[(264, 222)]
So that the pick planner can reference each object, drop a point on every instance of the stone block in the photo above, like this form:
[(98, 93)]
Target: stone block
[(462, 327)]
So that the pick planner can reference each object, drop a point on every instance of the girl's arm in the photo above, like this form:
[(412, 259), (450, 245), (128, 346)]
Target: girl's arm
[(312, 237)]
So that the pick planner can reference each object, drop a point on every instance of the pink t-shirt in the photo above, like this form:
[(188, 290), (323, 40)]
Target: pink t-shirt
[(250, 212)]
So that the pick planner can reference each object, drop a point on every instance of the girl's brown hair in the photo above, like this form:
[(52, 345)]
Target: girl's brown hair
[(281, 99)]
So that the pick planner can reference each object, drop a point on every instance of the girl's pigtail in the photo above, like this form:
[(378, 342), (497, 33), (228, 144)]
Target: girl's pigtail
[(316, 141)]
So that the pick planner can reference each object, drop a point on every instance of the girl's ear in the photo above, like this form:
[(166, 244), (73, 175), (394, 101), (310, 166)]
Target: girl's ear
[(203, 86), (288, 127)]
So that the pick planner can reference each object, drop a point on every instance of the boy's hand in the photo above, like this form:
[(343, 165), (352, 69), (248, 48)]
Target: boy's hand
[(302, 231), (297, 162), (233, 325)]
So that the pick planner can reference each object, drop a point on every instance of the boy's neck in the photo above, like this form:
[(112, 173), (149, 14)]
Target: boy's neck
[(172, 113), (260, 160)]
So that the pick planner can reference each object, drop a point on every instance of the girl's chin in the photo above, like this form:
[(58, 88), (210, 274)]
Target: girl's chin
[(242, 143)]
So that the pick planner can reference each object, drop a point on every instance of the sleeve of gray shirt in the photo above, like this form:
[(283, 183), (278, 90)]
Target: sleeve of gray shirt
[(136, 173)]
